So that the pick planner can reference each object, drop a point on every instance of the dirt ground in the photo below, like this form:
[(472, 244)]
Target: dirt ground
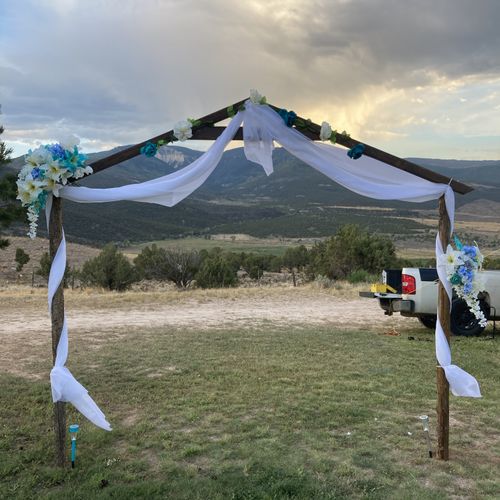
[(77, 255), (96, 317)]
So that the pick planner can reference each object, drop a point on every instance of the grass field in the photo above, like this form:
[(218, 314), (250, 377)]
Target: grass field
[(256, 412), (239, 243)]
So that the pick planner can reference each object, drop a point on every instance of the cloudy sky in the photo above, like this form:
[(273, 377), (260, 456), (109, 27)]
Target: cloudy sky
[(419, 78)]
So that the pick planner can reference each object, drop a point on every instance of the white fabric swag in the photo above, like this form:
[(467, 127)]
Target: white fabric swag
[(261, 126)]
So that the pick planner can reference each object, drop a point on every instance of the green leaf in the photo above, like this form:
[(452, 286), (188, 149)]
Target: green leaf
[(230, 111), (299, 123), (333, 137), (194, 123)]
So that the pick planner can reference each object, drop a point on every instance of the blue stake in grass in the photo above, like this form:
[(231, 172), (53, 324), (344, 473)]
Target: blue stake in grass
[(73, 429)]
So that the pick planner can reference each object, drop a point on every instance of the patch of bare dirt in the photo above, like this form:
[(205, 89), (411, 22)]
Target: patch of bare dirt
[(105, 317), (35, 248)]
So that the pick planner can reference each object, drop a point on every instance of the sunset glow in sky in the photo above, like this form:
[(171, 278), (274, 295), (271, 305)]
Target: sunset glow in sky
[(415, 78)]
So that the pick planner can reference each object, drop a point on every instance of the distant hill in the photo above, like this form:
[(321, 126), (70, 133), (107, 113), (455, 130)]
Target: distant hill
[(295, 201)]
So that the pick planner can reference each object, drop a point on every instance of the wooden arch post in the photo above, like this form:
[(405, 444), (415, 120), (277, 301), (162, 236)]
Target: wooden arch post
[(442, 386), (57, 319)]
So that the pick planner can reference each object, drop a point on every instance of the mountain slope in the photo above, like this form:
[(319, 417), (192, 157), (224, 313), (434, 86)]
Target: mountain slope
[(238, 197)]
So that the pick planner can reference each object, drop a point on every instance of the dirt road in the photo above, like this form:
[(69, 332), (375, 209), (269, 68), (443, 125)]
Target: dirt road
[(25, 325)]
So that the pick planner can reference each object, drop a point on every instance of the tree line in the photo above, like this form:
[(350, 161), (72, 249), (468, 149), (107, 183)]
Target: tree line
[(352, 254)]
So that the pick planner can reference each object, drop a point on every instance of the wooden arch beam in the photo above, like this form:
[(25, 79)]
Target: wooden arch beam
[(207, 131)]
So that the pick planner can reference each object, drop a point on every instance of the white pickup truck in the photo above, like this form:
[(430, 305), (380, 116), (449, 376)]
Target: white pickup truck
[(413, 292)]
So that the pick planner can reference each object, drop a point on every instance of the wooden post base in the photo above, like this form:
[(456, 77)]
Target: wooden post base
[(60, 433), (443, 415)]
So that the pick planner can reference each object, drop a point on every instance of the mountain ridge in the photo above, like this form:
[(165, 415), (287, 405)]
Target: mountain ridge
[(238, 197)]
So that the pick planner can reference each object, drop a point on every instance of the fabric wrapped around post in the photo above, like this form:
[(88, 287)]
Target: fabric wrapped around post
[(64, 385), (365, 176)]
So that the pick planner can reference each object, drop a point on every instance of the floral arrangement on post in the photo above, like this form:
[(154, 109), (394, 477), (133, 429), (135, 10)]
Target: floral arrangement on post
[(462, 266), (48, 168)]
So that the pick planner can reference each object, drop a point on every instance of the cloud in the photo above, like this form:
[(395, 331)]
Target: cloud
[(116, 72)]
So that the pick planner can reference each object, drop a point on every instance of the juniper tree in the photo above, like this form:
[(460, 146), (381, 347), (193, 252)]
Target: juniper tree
[(9, 209)]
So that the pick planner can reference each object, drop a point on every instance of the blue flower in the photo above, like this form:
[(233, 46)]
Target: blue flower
[(471, 251), (356, 152), (149, 149), (289, 117), (36, 173), (468, 287), (465, 273), (58, 152)]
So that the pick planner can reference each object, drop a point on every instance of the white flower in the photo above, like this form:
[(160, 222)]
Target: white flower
[(33, 219), (24, 196), (28, 189), (54, 170), (25, 171), (38, 157), (78, 173), (82, 171), (325, 132), (53, 186), (256, 97), (183, 130), (451, 260), (69, 142)]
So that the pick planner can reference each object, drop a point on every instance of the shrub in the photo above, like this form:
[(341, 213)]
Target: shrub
[(352, 249), (361, 276), (491, 263), (296, 258), (216, 272), (177, 265), (323, 282), (181, 266), (110, 269), (255, 265), (22, 258), (150, 263)]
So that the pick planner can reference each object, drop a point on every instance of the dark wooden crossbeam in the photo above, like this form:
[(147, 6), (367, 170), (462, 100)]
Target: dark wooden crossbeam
[(202, 132), (207, 131)]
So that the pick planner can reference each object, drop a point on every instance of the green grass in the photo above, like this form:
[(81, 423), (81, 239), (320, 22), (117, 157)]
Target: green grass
[(262, 246), (257, 413)]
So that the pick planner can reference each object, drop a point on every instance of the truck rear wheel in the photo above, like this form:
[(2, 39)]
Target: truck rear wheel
[(463, 322), (428, 321)]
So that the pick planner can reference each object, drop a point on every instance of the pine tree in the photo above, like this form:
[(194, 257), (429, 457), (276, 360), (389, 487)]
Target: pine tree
[(10, 210)]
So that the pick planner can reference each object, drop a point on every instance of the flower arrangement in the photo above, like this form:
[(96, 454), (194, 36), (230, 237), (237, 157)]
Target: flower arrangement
[(462, 266), (48, 168)]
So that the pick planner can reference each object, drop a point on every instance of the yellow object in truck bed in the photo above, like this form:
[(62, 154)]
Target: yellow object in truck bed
[(381, 288)]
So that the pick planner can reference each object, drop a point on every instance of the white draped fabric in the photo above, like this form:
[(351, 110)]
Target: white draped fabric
[(64, 386), (261, 126)]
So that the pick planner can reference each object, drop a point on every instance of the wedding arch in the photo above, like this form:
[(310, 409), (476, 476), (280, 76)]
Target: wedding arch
[(364, 169)]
